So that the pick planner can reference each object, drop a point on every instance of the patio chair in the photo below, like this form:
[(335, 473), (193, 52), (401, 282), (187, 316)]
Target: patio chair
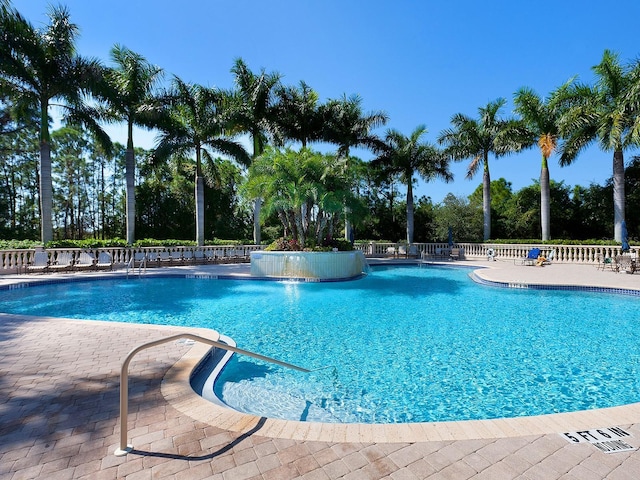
[(548, 259), (187, 257), (165, 258), (243, 255), (85, 261), (624, 263), (153, 259), (199, 256), (605, 262), (40, 262), (455, 253), (104, 261), (530, 259), (139, 259), (64, 262)]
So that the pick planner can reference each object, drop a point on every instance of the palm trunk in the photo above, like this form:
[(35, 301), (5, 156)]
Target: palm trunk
[(46, 193), (347, 224), (199, 186), (130, 177), (257, 205), (618, 193), (299, 219), (46, 187), (545, 201), (409, 212), (486, 201), (103, 207)]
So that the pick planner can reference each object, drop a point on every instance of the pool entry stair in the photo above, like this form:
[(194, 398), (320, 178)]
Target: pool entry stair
[(125, 448)]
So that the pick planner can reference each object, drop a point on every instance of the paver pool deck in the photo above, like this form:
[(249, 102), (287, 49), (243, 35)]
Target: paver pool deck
[(59, 412)]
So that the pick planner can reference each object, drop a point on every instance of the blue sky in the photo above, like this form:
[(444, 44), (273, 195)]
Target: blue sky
[(419, 61)]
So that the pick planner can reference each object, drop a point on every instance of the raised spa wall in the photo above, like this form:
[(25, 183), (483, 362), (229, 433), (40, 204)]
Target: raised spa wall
[(315, 265)]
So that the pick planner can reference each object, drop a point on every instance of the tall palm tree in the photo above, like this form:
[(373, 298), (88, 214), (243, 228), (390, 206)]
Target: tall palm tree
[(39, 67), (347, 126), (477, 139), (404, 156), (602, 112), (198, 119), (256, 116), (298, 115), (129, 92), (542, 119)]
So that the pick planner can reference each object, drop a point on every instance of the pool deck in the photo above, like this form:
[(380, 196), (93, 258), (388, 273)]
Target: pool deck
[(59, 411)]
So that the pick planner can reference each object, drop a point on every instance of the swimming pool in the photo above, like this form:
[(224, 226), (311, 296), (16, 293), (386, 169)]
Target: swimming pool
[(404, 344)]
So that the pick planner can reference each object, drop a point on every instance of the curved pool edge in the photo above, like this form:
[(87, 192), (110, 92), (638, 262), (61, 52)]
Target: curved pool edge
[(476, 276), (177, 391)]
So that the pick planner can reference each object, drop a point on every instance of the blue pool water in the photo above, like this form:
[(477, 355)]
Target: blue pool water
[(404, 344)]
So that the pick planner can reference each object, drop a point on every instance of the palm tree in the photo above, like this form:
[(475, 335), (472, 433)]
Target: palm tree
[(255, 116), (198, 119), (38, 67), (477, 139), (298, 115), (347, 126), (404, 156), (604, 112), (542, 119), (303, 188), (129, 93)]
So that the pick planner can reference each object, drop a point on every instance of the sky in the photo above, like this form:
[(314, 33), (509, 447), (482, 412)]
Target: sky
[(421, 62)]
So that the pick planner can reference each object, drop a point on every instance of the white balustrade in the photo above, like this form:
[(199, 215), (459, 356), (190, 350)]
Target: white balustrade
[(15, 261)]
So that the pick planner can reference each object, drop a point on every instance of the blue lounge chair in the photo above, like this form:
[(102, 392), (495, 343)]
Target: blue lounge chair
[(530, 259)]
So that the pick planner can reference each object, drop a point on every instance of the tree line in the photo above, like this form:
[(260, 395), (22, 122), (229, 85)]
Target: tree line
[(282, 186)]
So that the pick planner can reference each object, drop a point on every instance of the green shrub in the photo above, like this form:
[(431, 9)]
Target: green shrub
[(19, 244), (284, 245), (87, 243)]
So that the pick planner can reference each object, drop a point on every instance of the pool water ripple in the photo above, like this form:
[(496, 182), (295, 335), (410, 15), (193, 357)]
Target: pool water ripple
[(406, 344)]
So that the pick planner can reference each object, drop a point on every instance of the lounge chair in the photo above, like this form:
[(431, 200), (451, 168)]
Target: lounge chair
[(153, 259), (104, 261), (624, 263), (188, 257), (40, 262), (243, 255), (139, 259), (199, 256), (549, 258), (530, 259), (64, 262), (85, 261), (165, 257), (603, 262)]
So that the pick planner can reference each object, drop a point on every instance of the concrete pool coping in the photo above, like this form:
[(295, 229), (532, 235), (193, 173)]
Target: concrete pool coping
[(178, 392)]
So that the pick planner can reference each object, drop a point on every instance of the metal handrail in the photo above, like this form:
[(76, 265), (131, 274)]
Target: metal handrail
[(124, 376), (132, 262)]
